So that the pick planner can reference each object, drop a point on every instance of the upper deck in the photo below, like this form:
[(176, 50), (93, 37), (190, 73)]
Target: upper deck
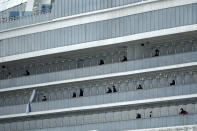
[(60, 8), (121, 25)]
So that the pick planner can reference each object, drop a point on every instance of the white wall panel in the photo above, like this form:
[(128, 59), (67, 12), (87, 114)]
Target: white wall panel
[(151, 20)]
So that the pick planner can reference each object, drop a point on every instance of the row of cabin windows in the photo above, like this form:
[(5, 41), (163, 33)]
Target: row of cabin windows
[(113, 57), (105, 87), (103, 117)]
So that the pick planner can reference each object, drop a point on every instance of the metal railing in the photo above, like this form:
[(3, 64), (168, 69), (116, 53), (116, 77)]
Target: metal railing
[(102, 99), (21, 16), (100, 123), (100, 70)]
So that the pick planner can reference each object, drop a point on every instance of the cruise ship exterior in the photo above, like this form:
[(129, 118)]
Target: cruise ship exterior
[(98, 65)]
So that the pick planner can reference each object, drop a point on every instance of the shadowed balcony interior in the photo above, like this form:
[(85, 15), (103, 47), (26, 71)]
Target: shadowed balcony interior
[(134, 87), (109, 56)]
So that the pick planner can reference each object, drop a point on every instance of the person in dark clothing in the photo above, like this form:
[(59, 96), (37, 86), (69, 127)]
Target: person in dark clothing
[(44, 98), (101, 62), (139, 87), (114, 88), (109, 90), (150, 114), (124, 59), (156, 52), (81, 92), (27, 73), (138, 116), (183, 112), (172, 83), (74, 95), (9, 75)]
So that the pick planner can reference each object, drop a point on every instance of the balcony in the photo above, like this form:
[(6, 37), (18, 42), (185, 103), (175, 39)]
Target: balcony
[(132, 124), (102, 99), (88, 72), (100, 124), (39, 39), (67, 7), (172, 128), (150, 80)]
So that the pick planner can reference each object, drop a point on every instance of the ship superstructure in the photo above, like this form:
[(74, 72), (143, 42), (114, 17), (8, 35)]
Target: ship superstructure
[(98, 65)]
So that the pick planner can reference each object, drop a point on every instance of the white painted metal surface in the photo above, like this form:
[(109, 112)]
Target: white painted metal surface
[(141, 36), (93, 17), (145, 6)]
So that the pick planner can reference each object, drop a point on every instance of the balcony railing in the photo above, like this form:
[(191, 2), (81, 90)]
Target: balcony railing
[(61, 124), (100, 70), (32, 14), (68, 9), (103, 99), (95, 32)]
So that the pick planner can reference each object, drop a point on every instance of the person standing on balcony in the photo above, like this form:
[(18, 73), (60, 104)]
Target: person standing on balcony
[(150, 114), (9, 75), (81, 92), (109, 90), (5, 70), (183, 112), (124, 59), (139, 87), (44, 98), (138, 116), (172, 83), (3, 67), (157, 52), (27, 73), (101, 62), (74, 95), (114, 88)]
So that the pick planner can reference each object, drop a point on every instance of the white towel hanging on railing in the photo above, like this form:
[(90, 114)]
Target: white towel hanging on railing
[(28, 108)]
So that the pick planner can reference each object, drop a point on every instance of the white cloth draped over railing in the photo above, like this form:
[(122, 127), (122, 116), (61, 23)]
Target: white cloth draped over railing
[(28, 108)]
